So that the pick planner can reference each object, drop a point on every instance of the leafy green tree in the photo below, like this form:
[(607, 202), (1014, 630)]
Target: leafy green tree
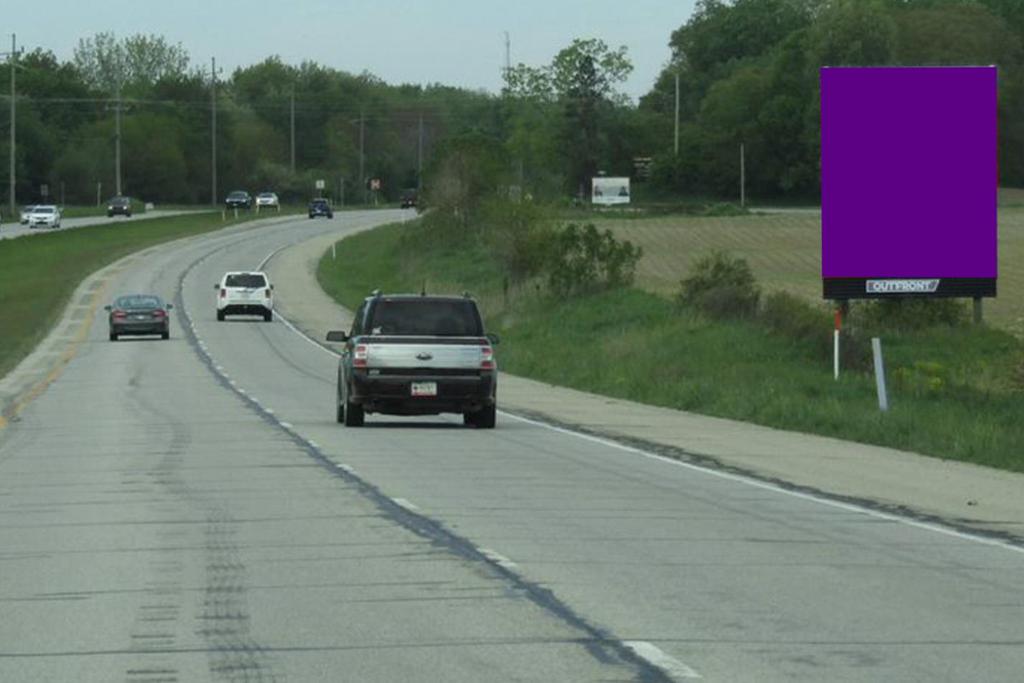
[(135, 63)]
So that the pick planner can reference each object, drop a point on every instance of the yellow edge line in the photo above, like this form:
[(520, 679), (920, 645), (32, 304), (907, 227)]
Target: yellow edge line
[(69, 354)]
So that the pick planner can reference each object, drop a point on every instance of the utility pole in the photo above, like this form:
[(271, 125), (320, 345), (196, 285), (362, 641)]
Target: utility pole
[(508, 55), (213, 131), (117, 142), (743, 175), (13, 58), (419, 157), (677, 115), (362, 156), (293, 127)]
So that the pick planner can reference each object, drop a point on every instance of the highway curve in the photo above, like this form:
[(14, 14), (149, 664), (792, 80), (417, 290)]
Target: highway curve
[(188, 510)]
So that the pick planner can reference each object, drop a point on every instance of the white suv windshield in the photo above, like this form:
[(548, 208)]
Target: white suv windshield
[(250, 280)]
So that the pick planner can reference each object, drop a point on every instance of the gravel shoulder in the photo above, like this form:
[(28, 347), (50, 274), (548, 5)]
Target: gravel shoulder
[(953, 492)]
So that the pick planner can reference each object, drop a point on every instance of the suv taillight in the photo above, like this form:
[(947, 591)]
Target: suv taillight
[(119, 314), (486, 358), (159, 313), (268, 293), (359, 356), (223, 292)]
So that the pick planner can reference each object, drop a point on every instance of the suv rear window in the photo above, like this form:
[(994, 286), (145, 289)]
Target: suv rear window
[(250, 280), (426, 317)]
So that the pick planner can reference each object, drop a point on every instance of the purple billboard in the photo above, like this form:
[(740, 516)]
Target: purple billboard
[(909, 181)]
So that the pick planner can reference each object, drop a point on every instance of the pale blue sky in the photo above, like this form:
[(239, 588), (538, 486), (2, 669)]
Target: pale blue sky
[(457, 42)]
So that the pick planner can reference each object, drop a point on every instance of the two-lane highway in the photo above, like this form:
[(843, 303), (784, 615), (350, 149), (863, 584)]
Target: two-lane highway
[(189, 510)]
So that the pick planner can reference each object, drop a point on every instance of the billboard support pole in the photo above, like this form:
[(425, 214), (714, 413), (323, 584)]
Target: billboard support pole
[(978, 310)]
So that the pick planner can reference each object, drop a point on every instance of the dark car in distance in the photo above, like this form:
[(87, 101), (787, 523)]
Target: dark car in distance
[(139, 314), (409, 199), (119, 206), (239, 199), (320, 207)]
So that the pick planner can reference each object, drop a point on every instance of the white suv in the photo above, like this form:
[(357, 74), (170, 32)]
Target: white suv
[(245, 294)]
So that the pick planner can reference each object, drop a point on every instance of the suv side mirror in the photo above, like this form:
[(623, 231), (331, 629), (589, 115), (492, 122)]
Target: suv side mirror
[(493, 338), (217, 286), (170, 306), (337, 336), (108, 308)]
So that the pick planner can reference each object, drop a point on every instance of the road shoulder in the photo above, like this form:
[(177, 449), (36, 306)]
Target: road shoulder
[(953, 492)]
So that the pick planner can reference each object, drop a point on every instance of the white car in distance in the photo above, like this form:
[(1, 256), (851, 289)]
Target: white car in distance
[(44, 215), (245, 293), (267, 200)]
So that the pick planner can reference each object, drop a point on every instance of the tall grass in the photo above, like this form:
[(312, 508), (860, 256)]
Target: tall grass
[(955, 392)]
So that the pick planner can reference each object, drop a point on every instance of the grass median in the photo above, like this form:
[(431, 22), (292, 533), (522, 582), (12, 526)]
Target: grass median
[(955, 393), (38, 273)]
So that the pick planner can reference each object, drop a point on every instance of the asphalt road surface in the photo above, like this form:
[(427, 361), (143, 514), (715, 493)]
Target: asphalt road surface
[(187, 510), (9, 229)]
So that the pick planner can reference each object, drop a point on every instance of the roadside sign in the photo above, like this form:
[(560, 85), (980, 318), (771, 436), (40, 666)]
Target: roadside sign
[(320, 184), (609, 191), (44, 190), (375, 184)]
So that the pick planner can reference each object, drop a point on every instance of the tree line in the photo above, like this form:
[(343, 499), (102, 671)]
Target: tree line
[(747, 72)]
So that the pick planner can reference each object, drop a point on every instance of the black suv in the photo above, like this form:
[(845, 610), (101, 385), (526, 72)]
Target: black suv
[(239, 199), (409, 199), (320, 207), (121, 206)]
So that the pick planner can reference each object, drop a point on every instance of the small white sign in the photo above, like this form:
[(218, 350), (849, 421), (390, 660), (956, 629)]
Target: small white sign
[(609, 190), (320, 185), (903, 286)]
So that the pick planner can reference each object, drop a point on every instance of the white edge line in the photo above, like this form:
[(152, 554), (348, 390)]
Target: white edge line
[(732, 477), (403, 503), (497, 558), (303, 335), (653, 655), (849, 507)]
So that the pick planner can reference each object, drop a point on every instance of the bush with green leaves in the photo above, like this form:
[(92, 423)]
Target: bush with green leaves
[(584, 259), (720, 286), (520, 235), (905, 314)]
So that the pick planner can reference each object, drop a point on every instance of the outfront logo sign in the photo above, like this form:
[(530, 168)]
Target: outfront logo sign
[(903, 286)]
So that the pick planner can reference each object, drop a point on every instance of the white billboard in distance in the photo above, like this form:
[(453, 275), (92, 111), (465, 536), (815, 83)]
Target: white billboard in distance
[(609, 191)]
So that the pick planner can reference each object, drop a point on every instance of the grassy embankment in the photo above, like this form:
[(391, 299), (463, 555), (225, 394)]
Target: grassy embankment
[(955, 392), (38, 273)]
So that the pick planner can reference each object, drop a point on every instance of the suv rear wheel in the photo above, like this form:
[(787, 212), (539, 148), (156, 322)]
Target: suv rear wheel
[(354, 415)]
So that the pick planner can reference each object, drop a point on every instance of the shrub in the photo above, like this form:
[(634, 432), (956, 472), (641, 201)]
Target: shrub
[(802, 321), (913, 314), (720, 286), (519, 235), (794, 317), (584, 259), (724, 209)]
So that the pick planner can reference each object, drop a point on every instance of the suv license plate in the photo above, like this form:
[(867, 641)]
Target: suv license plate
[(424, 388)]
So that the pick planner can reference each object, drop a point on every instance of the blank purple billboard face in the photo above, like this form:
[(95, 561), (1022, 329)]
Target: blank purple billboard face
[(908, 172)]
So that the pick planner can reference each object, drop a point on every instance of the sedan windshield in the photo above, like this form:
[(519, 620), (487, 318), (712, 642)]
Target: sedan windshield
[(139, 301), (250, 280), (43, 209)]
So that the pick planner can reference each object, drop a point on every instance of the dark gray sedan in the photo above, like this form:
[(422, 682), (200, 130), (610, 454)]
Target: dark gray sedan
[(138, 314)]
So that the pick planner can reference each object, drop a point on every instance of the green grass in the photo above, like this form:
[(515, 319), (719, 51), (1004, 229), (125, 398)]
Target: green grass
[(955, 392), (38, 273)]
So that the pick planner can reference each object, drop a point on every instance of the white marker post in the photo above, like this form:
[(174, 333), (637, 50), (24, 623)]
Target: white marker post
[(835, 342), (883, 399)]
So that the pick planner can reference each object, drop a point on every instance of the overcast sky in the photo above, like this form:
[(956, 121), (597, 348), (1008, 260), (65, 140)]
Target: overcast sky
[(455, 42)]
